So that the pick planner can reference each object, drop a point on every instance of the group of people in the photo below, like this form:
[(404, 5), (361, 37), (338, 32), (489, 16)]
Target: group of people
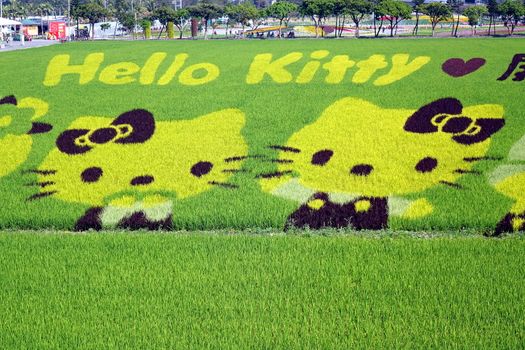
[(271, 34)]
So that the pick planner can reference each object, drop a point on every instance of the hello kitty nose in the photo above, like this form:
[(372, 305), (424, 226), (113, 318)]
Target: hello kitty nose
[(361, 169), (142, 180)]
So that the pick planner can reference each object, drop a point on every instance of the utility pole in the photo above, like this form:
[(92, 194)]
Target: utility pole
[(1, 8)]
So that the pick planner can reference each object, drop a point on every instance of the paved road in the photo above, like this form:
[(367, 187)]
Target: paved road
[(17, 45)]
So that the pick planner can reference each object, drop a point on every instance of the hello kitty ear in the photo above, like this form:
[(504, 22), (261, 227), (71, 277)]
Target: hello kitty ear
[(11, 100), (141, 122), (421, 121)]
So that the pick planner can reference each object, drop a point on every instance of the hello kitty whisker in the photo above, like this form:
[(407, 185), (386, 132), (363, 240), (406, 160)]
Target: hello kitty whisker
[(223, 184), (239, 158), (451, 184), (41, 195), (274, 174), (463, 171), (285, 148), (235, 171), (475, 159), (40, 184), (39, 172), (280, 161)]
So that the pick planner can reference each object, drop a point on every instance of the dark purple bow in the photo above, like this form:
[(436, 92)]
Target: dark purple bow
[(136, 126), (445, 115)]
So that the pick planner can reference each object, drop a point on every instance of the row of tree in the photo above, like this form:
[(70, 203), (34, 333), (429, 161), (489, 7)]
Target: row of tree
[(16, 9), (382, 14)]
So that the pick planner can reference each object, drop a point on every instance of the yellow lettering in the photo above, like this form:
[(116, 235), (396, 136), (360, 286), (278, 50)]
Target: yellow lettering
[(401, 68), (337, 68), (59, 66), (368, 67), (309, 70), (187, 78), (262, 64), (147, 73), (177, 64), (119, 73)]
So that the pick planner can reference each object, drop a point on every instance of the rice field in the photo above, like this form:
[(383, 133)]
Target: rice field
[(263, 194), (260, 289)]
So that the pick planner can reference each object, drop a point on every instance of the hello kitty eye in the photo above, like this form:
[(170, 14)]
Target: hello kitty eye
[(322, 157), (92, 174), (201, 168), (426, 165)]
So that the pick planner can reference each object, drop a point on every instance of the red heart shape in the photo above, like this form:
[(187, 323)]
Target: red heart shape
[(457, 67)]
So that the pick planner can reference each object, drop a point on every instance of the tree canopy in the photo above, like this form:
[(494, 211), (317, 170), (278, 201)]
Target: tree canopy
[(437, 12)]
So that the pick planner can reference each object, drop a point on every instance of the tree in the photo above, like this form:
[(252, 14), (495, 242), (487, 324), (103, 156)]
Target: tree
[(511, 12), (394, 11), (127, 21), (181, 19), (417, 7), (474, 15), (339, 12), (164, 15), (230, 11), (317, 10), (93, 13), (358, 9), (206, 11), (456, 6), (255, 16), (493, 12), (375, 16), (125, 13), (437, 12), (15, 9), (75, 5), (281, 10), (42, 9), (246, 13)]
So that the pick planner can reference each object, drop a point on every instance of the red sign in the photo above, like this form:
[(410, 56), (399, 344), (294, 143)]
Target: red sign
[(57, 29)]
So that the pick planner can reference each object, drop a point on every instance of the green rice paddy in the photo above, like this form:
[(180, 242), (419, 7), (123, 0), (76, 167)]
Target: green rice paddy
[(430, 280), (245, 290)]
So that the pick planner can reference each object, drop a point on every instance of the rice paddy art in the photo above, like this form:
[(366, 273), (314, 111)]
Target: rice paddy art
[(347, 135)]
